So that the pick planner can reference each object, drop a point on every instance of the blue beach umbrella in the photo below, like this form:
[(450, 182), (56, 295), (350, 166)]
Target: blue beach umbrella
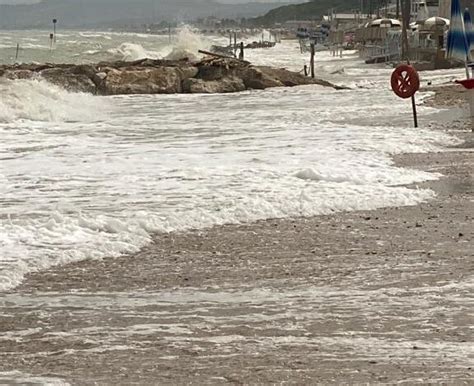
[(469, 31), (458, 46)]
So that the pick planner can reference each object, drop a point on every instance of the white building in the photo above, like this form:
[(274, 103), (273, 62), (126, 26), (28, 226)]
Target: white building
[(444, 8), (420, 9), (423, 9), (429, 8)]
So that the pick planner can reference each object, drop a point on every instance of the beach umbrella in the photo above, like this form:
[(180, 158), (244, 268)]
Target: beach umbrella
[(436, 21), (468, 27), (458, 46), (384, 23)]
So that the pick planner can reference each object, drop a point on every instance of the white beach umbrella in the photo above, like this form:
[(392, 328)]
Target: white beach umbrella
[(385, 23), (436, 22)]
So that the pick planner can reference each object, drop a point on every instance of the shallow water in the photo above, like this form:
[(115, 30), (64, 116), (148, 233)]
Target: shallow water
[(89, 177)]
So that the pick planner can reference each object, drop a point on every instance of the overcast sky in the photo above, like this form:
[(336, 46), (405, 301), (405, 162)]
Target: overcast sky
[(220, 1), (18, 1)]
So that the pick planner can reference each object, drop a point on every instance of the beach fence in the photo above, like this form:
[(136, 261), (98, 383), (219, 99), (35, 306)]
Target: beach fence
[(336, 42)]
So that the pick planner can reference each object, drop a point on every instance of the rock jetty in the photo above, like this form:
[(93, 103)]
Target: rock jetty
[(147, 76)]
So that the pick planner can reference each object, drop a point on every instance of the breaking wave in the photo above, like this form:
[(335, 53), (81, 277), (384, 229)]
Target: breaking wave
[(131, 51), (187, 44), (38, 100)]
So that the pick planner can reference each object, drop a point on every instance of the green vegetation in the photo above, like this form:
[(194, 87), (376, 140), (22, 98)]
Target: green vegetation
[(314, 9)]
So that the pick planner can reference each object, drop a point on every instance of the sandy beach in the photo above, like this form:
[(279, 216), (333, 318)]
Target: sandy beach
[(380, 296)]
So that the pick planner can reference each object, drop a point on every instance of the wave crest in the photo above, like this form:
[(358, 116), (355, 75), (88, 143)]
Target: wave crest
[(38, 100)]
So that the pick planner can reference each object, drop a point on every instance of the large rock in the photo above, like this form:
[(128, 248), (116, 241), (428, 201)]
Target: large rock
[(290, 79), (186, 72), (210, 73), (217, 68), (285, 77), (254, 78), (224, 85), (149, 76), (160, 80), (70, 80), (18, 74)]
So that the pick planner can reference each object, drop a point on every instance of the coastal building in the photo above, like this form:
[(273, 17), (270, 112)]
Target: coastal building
[(444, 8), (345, 20), (424, 9), (294, 25)]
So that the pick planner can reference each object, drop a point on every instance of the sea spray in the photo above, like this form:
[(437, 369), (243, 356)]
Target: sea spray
[(187, 44), (130, 52), (38, 100)]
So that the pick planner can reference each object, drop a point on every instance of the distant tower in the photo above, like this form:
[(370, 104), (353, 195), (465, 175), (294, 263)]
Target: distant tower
[(444, 8)]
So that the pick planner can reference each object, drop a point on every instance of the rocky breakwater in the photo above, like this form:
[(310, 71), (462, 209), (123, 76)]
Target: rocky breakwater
[(210, 75)]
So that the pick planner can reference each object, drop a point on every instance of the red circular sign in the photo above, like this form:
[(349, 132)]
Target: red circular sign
[(405, 81)]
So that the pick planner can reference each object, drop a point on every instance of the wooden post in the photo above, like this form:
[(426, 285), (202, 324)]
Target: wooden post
[(17, 51), (312, 60), (54, 29), (235, 43), (241, 54)]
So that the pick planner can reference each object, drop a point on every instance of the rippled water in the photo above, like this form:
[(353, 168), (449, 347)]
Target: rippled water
[(95, 46), (89, 177)]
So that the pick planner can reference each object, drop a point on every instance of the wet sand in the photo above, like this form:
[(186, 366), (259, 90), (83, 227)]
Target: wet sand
[(363, 297)]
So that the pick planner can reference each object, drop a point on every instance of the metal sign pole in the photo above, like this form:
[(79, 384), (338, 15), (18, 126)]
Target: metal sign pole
[(406, 49)]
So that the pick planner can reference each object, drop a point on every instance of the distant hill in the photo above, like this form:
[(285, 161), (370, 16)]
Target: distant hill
[(109, 13), (314, 9)]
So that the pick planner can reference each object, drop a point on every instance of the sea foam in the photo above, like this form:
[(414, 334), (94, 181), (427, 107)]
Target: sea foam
[(187, 44), (38, 100), (85, 177)]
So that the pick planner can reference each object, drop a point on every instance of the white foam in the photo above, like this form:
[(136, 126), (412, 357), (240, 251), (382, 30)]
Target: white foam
[(186, 44), (38, 100), (19, 378), (131, 52), (90, 177)]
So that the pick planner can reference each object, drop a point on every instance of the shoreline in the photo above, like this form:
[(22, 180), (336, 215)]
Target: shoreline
[(368, 296)]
